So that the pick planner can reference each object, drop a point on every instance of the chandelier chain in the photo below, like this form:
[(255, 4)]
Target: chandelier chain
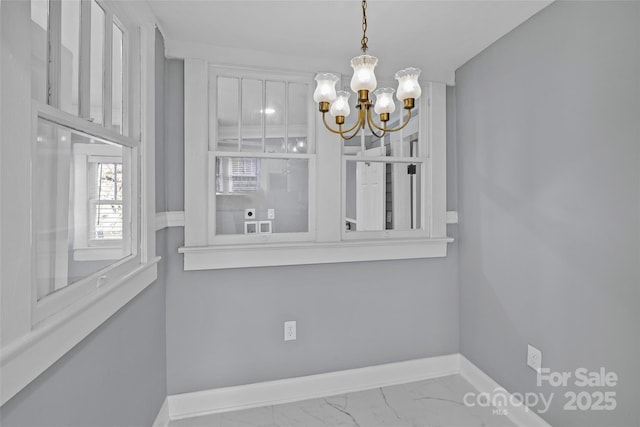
[(364, 40)]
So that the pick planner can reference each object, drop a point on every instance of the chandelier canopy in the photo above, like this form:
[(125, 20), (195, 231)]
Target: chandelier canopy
[(363, 82)]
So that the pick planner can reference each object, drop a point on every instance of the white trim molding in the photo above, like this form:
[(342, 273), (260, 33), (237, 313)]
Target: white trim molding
[(162, 419), (242, 256), (186, 405), (313, 386), (520, 415), (169, 219)]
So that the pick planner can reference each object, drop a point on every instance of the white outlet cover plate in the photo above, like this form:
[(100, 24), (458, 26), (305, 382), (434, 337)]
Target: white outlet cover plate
[(290, 330), (271, 214), (534, 358)]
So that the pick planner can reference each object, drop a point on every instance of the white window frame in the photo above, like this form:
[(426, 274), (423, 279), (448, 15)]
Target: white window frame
[(329, 243), (214, 153), (34, 336), (114, 15), (423, 159), (86, 248), (69, 294)]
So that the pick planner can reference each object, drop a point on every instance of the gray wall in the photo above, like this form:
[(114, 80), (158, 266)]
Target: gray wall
[(225, 327), (548, 131), (114, 377)]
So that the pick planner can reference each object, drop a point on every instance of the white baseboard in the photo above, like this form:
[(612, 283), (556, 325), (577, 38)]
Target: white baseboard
[(519, 415), (169, 219), (289, 390), (163, 419), (309, 387)]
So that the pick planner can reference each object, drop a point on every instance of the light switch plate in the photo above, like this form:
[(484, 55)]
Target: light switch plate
[(271, 214)]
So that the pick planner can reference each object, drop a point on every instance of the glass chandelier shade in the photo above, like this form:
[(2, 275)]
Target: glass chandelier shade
[(384, 101), (340, 107), (408, 86), (326, 87), (364, 77)]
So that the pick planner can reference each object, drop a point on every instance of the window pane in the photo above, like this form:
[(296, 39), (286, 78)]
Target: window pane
[(274, 115), (256, 195), (39, 33), (297, 118), (227, 109), (252, 113), (117, 80), (97, 62), (382, 196), (81, 222), (69, 56), (107, 214)]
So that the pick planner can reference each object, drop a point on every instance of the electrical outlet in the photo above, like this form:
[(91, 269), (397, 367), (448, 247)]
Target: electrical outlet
[(534, 358), (290, 330), (271, 214)]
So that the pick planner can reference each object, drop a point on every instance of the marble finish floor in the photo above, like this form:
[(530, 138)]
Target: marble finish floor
[(431, 403)]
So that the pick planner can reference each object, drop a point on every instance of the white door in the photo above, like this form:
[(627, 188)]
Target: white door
[(370, 193)]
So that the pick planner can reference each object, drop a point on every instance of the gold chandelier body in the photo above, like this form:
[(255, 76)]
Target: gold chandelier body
[(363, 82)]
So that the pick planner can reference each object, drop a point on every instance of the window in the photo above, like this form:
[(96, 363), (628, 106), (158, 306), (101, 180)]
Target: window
[(260, 151), (67, 57), (77, 216), (39, 48), (236, 175), (272, 187), (102, 207), (73, 68), (83, 187), (117, 78), (106, 208), (85, 177), (384, 180), (97, 51)]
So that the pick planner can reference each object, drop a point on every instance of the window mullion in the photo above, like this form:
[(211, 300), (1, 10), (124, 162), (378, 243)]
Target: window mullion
[(84, 91), (54, 54), (108, 68), (263, 113), (286, 117), (240, 114)]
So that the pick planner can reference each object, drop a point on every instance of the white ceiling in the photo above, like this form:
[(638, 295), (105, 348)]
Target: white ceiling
[(437, 36)]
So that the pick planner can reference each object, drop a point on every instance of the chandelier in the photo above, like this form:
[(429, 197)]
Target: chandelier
[(363, 82)]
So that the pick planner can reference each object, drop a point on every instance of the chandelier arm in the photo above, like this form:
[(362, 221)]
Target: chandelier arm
[(356, 127), (329, 128), (406, 122), (358, 123), (372, 122), (373, 132), (342, 132), (353, 135)]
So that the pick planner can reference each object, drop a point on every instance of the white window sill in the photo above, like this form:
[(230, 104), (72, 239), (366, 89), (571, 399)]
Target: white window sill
[(23, 360), (98, 253), (261, 255)]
